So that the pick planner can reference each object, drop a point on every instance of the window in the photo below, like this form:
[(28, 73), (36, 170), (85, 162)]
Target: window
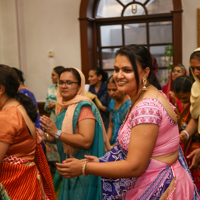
[(106, 25), (141, 22)]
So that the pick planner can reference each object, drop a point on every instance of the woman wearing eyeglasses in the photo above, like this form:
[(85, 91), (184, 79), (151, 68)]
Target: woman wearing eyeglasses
[(78, 131), (177, 70)]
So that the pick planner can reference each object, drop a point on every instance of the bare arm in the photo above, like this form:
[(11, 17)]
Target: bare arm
[(3, 149), (82, 140), (110, 127), (191, 128), (141, 145)]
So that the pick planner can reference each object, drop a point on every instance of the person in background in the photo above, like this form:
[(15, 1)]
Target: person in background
[(97, 79), (78, 131), (119, 106), (182, 90), (23, 89), (177, 70), (24, 171), (53, 155), (153, 79), (194, 123), (146, 162)]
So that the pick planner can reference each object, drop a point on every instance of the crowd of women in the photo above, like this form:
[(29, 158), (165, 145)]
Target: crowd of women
[(122, 139)]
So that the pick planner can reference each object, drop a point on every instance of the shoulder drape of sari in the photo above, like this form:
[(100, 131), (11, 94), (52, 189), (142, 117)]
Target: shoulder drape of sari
[(81, 187)]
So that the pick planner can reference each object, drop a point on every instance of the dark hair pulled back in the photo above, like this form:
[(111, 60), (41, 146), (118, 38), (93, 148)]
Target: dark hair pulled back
[(74, 72), (99, 71), (58, 69), (136, 53), (182, 84), (10, 80), (111, 80), (19, 74), (195, 55)]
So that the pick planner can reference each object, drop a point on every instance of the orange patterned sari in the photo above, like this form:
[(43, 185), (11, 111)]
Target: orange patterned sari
[(25, 180)]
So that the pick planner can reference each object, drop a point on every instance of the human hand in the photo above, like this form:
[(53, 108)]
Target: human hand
[(70, 168), (196, 158), (40, 134), (91, 158), (49, 105), (48, 125)]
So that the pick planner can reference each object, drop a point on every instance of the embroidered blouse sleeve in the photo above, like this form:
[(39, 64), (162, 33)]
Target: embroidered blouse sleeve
[(9, 124), (86, 113), (146, 112)]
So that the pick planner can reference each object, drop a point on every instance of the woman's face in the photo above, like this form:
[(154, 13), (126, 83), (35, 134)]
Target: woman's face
[(195, 67), (68, 85), (183, 97), (54, 77), (113, 92), (177, 71), (93, 78), (124, 75)]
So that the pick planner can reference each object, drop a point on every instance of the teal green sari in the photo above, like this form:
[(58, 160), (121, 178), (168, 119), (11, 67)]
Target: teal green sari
[(81, 187)]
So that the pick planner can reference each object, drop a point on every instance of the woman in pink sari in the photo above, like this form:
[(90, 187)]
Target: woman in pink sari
[(146, 163)]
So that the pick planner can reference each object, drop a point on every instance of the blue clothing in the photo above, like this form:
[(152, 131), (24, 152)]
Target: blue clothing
[(117, 117), (31, 95), (81, 187), (104, 98), (117, 188)]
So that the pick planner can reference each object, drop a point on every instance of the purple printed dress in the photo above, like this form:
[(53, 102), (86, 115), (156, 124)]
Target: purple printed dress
[(160, 180)]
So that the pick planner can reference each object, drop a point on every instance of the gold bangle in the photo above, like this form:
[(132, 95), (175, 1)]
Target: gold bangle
[(83, 168), (47, 135)]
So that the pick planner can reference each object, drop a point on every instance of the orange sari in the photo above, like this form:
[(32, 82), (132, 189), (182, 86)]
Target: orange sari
[(24, 171)]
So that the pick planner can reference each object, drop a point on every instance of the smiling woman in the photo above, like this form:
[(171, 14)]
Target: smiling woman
[(78, 131), (146, 162)]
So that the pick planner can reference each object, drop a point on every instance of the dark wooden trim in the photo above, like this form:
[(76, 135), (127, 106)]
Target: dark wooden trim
[(41, 109), (177, 31), (136, 18), (89, 37)]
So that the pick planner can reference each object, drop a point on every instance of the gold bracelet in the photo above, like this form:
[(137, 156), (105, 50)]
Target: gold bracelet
[(47, 135), (83, 168)]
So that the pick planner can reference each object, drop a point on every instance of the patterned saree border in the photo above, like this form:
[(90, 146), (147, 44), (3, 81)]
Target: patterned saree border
[(154, 186), (169, 191), (13, 160)]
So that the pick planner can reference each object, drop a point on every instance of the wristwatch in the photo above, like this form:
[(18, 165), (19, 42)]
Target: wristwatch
[(58, 133)]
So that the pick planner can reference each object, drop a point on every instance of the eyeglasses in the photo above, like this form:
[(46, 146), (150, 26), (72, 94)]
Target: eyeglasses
[(69, 83), (178, 71), (193, 68)]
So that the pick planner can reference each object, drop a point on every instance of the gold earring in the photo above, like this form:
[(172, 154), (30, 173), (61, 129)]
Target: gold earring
[(144, 82)]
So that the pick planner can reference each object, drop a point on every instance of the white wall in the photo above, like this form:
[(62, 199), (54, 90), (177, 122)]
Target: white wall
[(8, 33), (47, 25), (53, 25), (189, 28)]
